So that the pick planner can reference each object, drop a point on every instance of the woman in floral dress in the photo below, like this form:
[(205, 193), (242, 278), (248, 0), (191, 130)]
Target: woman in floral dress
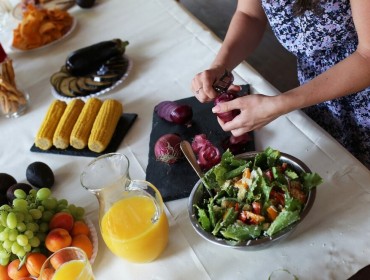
[(331, 40)]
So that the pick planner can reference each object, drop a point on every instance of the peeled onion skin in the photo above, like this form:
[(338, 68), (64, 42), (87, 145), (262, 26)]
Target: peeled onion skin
[(224, 97), (167, 148), (208, 157), (174, 113), (237, 144), (198, 142), (208, 154)]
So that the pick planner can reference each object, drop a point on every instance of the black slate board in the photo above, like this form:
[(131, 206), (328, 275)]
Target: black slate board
[(124, 124), (177, 180)]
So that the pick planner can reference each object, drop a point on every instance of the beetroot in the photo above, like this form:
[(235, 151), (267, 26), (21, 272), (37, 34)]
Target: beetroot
[(224, 97), (174, 113), (167, 148)]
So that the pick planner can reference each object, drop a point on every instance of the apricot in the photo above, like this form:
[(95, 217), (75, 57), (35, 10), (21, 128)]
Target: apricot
[(57, 239), (47, 273), (62, 257), (83, 242), (4, 273), (34, 263), (62, 220), (80, 227), (15, 273)]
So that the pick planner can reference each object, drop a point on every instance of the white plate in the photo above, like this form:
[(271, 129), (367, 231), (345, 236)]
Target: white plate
[(103, 91), (60, 4), (74, 24)]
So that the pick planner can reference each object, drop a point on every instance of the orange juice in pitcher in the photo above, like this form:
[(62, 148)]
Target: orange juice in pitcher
[(132, 220)]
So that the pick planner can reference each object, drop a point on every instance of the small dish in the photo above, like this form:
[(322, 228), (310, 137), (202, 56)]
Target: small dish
[(67, 34), (59, 96)]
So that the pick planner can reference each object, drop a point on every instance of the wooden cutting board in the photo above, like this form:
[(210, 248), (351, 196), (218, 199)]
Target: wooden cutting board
[(176, 181)]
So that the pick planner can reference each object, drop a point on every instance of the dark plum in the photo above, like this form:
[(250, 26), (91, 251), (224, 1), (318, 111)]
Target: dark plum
[(40, 175), (6, 181), (85, 3), (10, 192)]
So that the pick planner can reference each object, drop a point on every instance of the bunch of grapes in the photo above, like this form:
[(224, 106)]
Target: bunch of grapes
[(25, 224)]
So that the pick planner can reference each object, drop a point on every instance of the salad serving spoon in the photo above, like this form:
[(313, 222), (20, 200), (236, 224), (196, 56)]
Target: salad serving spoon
[(187, 150)]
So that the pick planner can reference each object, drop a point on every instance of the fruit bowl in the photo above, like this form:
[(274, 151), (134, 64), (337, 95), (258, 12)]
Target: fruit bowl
[(199, 194)]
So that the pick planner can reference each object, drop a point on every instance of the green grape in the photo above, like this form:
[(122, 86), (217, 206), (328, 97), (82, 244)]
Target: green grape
[(3, 218), (50, 203), (28, 218), (80, 212), (11, 220), (35, 213), (44, 227), (15, 248), (19, 193), (21, 227), (63, 202), (32, 193), (5, 207), (20, 216), (33, 227), (27, 248), (41, 208), (46, 216), (13, 233), (34, 242), (22, 240), (28, 233), (20, 204), (41, 236), (4, 235), (21, 253), (4, 253), (43, 194), (4, 261), (7, 244)]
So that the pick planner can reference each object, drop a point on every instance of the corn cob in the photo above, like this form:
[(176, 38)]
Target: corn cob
[(44, 137), (105, 125), (81, 130), (66, 123)]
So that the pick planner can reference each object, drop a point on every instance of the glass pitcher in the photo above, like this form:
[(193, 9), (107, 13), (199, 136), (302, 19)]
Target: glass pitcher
[(132, 220)]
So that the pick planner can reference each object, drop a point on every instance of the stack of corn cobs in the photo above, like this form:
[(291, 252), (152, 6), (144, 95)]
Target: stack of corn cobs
[(79, 124)]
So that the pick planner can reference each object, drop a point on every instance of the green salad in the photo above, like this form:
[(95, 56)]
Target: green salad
[(253, 198)]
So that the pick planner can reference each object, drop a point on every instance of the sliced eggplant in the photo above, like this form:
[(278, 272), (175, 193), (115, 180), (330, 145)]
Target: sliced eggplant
[(84, 87), (108, 77), (56, 77), (100, 85), (64, 86), (73, 87)]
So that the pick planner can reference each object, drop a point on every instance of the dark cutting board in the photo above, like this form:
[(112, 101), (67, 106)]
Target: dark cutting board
[(176, 181)]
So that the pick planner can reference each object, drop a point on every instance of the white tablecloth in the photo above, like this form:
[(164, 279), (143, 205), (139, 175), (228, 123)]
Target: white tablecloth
[(167, 47)]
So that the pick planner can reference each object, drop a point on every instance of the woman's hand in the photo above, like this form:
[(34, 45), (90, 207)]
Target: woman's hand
[(256, 111), (202, 83)]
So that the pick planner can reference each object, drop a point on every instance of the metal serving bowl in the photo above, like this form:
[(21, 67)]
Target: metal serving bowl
[(199, 192)]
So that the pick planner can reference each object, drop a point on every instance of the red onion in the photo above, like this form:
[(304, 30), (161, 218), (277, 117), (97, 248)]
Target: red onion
[(174, 113), (198, 142), (208, 156), (167, 148), (237, 144), (224, 97)]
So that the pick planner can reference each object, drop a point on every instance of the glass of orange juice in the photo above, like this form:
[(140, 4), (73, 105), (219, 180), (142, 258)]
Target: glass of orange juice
[(132, 220), (69, 263)]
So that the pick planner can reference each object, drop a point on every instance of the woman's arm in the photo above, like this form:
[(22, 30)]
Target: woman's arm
[(347, 77), (244, 33)]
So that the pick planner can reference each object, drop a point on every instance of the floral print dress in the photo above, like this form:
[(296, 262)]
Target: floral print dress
[(319, 41)]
